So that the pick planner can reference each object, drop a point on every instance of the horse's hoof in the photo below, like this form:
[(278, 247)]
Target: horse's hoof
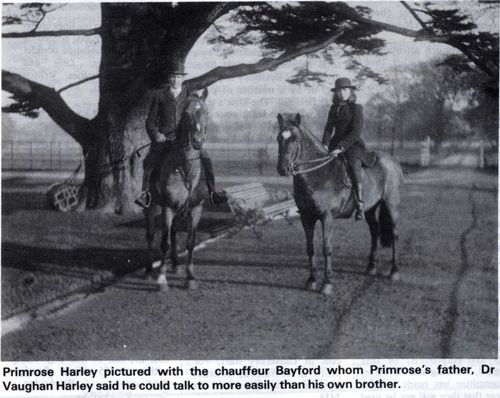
[(192, 284), (371, 271), (162, 287), (395, 276), (327, 289), (161, 281), (311, 285)]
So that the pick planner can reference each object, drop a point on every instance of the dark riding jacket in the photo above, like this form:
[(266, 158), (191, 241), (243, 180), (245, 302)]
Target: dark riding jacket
[(164, 117), (166, 112), (347, 119)]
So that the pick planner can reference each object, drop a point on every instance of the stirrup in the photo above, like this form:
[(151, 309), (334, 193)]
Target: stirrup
[(359, 212), (144, 199)]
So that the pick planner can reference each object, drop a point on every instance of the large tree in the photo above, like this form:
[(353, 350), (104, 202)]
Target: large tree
[(138, 37), (433, 95)]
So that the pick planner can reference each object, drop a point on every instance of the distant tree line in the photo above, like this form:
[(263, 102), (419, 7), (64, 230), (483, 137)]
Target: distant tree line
[(443, 99)]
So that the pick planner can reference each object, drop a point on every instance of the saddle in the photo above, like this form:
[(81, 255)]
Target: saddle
[(369, 159)]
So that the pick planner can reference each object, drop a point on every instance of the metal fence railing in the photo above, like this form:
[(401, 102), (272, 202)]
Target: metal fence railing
[(228, 158), (40, 155)]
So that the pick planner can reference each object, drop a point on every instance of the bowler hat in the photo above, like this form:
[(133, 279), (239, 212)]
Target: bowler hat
[(343, 82), (175, 67)]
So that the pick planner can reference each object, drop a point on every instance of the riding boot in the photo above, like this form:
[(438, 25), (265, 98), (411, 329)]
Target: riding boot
[(360, 214), (144, 198), (216, 198)]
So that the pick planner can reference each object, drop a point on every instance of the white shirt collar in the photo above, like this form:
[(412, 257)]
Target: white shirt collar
[(175, 91)]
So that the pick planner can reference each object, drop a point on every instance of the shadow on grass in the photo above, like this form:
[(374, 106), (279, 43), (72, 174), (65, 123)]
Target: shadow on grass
[(18, 201), (79, 262), (13, 182), (99, 242), (177, 282), (210, 223)]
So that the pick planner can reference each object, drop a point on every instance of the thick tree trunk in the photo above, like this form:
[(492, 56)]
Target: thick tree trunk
[(130, 67), (137, 41), (113, 170)]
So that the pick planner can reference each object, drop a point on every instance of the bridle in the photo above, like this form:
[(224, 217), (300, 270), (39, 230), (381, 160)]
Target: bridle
[(323, 161), (186, 172)]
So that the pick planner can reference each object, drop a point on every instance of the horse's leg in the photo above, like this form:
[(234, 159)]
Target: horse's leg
[(308, 224), (371, 219), (194, 219), (174, 258), (395, 233), (149, 215), (327, 224), (167, 216)]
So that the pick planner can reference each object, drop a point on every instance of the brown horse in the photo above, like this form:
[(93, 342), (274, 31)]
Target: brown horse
[(176, 189), (322, 192)]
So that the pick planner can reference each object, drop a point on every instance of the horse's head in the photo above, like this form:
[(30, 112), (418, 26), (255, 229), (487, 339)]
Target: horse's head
[(192, 129), (289, 144)]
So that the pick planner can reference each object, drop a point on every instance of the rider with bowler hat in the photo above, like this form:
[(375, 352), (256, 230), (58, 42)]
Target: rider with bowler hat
[(346, 117), (161, 124)]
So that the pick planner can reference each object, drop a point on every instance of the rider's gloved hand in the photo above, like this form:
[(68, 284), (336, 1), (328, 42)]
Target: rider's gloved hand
[(159, 138), (337, 151), (170, 137)]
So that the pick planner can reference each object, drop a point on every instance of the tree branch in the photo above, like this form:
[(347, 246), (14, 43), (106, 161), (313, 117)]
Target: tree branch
[(210, 16), (414, 14), (489, 68), (351, 14), (424, 35), (229, 72), (78, 83), (39, 22), (44, 33), (48, 99)]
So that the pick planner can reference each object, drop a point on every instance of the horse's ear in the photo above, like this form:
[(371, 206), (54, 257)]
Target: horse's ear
[(296, 121), (280, 121), (204, 94)]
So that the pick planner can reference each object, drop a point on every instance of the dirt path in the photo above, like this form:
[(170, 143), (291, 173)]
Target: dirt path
[(252, 302)]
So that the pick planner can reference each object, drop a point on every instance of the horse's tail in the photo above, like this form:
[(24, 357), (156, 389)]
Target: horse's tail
[(386, 225)]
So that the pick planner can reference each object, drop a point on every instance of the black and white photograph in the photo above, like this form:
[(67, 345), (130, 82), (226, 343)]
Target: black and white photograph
[(246, 181)]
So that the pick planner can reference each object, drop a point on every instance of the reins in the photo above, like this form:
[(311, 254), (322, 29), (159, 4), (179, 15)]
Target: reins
[(186, 172), (323, 160)]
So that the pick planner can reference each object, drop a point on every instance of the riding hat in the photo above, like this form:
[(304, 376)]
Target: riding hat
[(343, 82), (175, 67)]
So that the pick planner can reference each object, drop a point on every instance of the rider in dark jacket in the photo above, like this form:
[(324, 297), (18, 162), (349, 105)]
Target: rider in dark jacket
[(346, 117), (161, 124)]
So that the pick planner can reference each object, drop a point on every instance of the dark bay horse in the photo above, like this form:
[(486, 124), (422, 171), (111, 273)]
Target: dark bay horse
[(322, 192), (176, 190)]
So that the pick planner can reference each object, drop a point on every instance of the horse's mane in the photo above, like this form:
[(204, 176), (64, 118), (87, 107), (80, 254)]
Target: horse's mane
[(312, 139)]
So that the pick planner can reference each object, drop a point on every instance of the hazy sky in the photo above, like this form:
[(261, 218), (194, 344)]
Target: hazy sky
[(57, 62)]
